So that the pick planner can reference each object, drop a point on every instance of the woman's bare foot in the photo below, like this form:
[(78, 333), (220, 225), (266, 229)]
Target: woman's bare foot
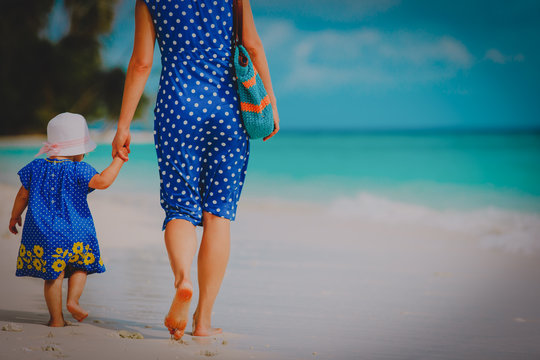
[(76, 311), (176, 319), (57, 323), (200, 330)]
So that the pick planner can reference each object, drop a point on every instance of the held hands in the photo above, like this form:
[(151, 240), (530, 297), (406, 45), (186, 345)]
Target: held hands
[(122, 153), (121, 140), (13, 224)]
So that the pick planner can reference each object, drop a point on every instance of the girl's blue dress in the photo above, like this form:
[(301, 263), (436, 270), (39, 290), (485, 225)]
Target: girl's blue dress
[(58, 233), (201, 144)]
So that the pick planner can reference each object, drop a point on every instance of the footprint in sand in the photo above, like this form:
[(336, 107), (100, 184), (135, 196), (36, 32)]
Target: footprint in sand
[(51, 347), (130, 334), (208, 353), (12, 327)]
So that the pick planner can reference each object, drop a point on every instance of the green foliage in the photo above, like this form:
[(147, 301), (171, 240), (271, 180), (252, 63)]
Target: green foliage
[(41, 79)]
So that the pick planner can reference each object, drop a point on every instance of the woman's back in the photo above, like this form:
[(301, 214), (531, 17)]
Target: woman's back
[(195, 28)]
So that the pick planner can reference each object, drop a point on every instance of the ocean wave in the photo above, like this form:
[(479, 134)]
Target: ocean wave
[(514, 231)]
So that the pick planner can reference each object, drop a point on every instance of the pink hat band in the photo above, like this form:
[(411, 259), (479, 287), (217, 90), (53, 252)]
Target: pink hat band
[(67, 135), (53, 149)]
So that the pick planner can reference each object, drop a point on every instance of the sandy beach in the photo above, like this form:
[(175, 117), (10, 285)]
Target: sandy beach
[(305, 281)]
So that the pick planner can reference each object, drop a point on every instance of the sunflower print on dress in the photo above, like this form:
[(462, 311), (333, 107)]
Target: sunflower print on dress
[(79, 255)]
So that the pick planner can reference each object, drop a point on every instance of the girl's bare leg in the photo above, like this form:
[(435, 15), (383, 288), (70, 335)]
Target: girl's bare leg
[(181, 244), (76, 284), (53, 297), (211, 264)]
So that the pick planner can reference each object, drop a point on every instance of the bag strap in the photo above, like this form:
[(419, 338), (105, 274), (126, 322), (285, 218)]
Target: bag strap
[(238, 18)]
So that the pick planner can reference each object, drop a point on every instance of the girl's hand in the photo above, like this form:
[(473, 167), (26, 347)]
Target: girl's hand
[(122, 153), (276, 124), (121, 139), (13, 224)]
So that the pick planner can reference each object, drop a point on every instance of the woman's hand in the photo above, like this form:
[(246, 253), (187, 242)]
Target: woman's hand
[(276, 124), (121, 139)]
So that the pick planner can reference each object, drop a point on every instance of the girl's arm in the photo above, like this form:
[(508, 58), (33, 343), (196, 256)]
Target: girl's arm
[(137, 74), (21, 201), (252, 43), (107, 176)]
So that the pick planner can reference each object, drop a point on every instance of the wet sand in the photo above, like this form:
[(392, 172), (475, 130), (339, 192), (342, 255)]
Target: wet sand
[(305, 281)]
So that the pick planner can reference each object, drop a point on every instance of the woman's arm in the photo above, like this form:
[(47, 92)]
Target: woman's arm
[(252, 43), (137, 74), (21, 201)]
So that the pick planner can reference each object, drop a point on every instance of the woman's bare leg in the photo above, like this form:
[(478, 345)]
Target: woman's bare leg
[(53, 297), (76, 284), (211, 264), (181, 244)]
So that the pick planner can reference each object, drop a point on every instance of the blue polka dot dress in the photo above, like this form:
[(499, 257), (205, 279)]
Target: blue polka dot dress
[(58, 233), (201, 144)]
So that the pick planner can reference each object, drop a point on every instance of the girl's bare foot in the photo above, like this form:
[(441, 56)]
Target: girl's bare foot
[(200, 330), (176, 319), (76, 311)]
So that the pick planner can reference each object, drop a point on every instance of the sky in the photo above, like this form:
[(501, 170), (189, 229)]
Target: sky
[(385, 64)]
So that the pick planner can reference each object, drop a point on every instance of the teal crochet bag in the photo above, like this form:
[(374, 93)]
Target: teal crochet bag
[(255, 107)]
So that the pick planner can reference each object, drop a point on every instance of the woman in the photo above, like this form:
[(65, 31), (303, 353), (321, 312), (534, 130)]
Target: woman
[(201, 145)]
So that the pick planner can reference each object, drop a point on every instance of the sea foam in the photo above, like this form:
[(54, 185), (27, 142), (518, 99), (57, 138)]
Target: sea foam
[(514, 231)]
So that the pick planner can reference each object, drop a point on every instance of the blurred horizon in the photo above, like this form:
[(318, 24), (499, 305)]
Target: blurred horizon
[(138, 125)]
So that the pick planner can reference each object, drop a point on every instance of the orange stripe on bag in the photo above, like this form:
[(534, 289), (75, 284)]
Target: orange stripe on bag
[(255, 108), (251, 81)]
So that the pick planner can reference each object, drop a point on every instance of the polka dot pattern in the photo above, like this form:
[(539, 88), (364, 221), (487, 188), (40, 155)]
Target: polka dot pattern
[(58, 233), (201, 144)]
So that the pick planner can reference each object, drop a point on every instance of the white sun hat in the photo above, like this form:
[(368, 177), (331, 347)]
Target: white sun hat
[(67, 135)]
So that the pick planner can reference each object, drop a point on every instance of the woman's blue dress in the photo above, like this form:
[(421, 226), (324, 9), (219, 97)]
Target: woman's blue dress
[(201, 144), (58, 233)]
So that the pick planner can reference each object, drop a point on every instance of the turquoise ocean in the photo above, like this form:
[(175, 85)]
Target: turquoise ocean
[(456, 171)]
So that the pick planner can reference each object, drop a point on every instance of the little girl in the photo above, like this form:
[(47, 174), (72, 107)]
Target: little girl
[(59, 239)]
